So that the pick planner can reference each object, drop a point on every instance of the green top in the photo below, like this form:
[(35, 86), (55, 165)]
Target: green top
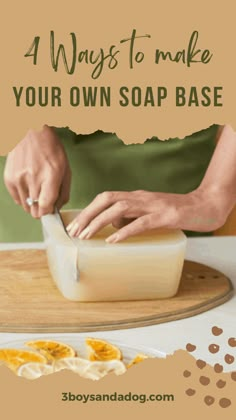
[(102, 162)]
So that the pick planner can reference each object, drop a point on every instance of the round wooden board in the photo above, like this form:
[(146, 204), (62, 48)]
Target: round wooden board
[(30, 301)]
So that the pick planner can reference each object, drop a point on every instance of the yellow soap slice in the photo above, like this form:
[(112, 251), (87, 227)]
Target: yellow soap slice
[(138, 358), (14, 358), (102, 350), (52, 350)]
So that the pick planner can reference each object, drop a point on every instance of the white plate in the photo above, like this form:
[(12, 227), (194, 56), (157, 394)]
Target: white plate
[(78, 343)]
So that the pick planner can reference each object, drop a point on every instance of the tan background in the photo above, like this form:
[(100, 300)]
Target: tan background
[(99, 24), (42, 398)]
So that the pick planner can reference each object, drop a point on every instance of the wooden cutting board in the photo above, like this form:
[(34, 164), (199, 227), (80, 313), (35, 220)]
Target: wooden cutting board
[(30, 301)]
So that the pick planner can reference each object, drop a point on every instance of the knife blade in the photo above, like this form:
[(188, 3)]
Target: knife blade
[(59, 218)]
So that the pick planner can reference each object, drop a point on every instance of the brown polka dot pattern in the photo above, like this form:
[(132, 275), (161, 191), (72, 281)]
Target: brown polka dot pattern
[(190, 347), (220, 384), (209, 400), (186, 373), (233, 376), (204, 380), (224, 402), (200, 363), (229, 359), (218, 368), (214, 348), (190, 392), (216, 331), (232, 342)]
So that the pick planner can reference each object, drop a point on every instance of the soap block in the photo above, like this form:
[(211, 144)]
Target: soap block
[(147, 266)]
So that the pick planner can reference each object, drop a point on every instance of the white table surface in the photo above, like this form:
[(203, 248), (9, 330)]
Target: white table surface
[(218, 252)]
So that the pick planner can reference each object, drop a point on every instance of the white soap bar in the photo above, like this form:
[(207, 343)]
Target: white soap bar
[(148, 266)]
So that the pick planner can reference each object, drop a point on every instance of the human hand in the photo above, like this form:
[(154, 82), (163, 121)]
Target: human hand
[(201, 210), (38, 168)]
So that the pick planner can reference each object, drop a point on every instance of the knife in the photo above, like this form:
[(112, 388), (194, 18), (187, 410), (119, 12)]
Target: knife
[(59, 218)]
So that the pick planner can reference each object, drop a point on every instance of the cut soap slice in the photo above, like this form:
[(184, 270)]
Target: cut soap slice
[(90, 370), (34, 370)]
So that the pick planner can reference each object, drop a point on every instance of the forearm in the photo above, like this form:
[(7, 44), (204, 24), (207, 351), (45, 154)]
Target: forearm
[(204, 209), (38, 168), (221, 173)]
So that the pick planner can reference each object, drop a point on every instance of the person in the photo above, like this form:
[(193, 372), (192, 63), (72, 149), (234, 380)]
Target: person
[(38, 168)]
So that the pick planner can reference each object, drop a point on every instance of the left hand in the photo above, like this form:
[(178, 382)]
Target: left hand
[(138, 211)]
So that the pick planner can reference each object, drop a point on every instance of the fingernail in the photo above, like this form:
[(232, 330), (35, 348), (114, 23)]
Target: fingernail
[(73, 229), (69, 226), (112, 239), (84, 233), (43, 204)]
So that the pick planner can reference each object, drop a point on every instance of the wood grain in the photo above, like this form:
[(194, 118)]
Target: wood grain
[(30, 301)]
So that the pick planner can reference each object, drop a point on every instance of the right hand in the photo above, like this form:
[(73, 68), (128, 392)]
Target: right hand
[(38, 168)]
